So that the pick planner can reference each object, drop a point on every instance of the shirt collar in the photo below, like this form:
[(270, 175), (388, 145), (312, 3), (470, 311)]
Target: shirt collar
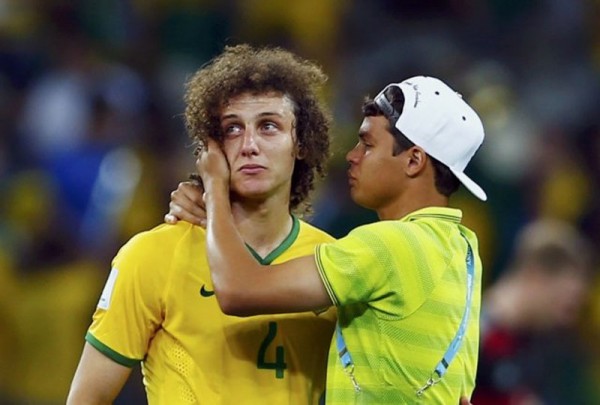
[(445, 213)]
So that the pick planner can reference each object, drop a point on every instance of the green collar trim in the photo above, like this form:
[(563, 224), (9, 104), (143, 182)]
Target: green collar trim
[(287, 242), (444, 213)]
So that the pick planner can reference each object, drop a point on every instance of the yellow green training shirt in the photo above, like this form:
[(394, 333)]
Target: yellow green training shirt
[(158, 307), (400, 289)]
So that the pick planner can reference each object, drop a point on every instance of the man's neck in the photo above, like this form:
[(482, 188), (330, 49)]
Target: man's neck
[(411, 201), (263, 225)]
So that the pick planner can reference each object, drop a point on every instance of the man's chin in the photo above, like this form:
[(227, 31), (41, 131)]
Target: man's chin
[(249, 194), (358, 198), (250, 187)]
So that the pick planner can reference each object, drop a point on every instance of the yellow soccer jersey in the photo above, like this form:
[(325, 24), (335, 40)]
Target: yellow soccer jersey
[(400, 288), (158, 307)]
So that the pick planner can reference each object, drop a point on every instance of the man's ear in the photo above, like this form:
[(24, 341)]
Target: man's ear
[(416, 161)]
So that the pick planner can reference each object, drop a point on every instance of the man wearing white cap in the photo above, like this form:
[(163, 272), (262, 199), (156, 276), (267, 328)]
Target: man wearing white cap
[(407, 288)]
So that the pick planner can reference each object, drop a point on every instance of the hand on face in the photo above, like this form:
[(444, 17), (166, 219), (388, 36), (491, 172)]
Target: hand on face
[(213, 167), (187, 204)]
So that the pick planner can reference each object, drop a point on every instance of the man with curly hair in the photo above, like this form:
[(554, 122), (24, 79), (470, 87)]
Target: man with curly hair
[(158, 305)]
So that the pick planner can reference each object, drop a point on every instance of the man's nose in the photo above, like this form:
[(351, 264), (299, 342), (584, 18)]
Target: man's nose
[(249, 144), (351, 155)]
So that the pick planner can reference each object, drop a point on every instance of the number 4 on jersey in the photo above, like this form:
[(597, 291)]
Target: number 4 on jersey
[(279, 364)]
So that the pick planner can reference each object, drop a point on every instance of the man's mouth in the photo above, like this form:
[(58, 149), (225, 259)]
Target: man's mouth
[(251, 169), (351, 178)]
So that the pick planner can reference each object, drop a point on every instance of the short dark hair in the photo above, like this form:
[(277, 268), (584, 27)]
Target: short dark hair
[(446, 183), (243, 68)]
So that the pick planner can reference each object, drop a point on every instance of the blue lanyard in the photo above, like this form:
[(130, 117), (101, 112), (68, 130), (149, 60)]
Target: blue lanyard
[(345, 357), (442, 366), (444, 363)]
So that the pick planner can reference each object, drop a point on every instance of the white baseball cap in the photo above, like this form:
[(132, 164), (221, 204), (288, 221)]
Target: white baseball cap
[(437, 119)]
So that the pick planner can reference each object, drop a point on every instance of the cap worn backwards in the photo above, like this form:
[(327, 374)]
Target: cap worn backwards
[(437, 119)]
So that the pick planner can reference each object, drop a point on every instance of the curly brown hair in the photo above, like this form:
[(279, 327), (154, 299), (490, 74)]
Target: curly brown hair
[(243, 68)]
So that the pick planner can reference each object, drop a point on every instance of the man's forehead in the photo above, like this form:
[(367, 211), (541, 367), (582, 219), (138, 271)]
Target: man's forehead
[(372, 123), (271, 101)]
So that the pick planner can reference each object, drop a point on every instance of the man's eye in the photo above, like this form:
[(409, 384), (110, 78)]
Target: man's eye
[(269, 126), (232, 130)]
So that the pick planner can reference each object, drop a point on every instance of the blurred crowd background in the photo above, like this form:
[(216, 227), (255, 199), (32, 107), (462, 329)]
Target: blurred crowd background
[(92, 142)]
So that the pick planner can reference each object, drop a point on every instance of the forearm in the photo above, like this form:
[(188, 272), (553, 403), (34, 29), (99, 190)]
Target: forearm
[(242, 285), (231, 265)]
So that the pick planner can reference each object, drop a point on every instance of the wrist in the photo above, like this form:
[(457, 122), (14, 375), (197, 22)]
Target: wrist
[(215, 185), (216, 190)]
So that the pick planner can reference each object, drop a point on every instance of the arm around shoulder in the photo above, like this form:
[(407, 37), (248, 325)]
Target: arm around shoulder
[(98, 379)]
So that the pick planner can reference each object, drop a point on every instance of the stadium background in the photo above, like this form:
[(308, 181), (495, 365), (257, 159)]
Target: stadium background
[(92, 141)]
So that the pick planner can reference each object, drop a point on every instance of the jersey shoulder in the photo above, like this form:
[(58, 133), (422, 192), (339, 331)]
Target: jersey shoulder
[(160, 241), (308, 231), (383, 230)]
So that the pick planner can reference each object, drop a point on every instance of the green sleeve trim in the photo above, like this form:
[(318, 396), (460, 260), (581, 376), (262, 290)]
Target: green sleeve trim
[(110, 353), (324, 278)]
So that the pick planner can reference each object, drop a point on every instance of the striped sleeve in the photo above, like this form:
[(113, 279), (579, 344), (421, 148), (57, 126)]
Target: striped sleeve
[(351, 269)]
